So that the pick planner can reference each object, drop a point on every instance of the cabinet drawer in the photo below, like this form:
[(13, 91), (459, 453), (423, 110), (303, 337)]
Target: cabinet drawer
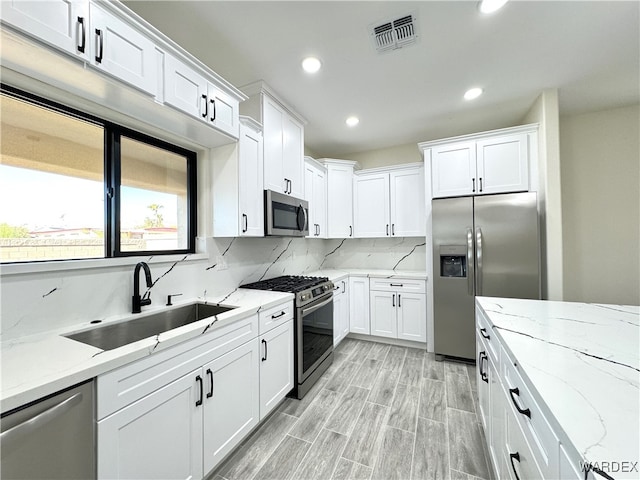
[(122, 386), (519, 461), (275, 316), (537, 430), (401, 285), (484, 331)]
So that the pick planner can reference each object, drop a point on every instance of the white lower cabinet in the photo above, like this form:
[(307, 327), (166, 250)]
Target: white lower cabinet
[(159, 436), (399, 309), (276, 366), (383, 314), (230, 403), (340, 311), (359, 321)]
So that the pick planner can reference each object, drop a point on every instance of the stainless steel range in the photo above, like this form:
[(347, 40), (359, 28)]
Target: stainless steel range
[(313, 325)]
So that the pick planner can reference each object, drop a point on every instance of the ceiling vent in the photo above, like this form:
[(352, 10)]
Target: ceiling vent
[(394, 34)]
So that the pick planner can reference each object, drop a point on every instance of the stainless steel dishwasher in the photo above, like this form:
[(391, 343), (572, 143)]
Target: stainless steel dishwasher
[(52, 438)]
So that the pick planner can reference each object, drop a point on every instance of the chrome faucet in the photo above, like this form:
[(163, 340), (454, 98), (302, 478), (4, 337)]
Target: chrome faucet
[(136, 301)]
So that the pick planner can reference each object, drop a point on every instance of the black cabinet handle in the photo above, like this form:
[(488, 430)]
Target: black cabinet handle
[(483, 332), (393, 229), (213, 103), (350, 231), (245, 223), (344, 286), (480, 180), (210, 374), (265, 350), (83, 35), (393, 300), (199, 380), (512, 457), (396, 284), (473, 187), (387, 229), (279, 315), (399, 304), (516, 391), (481, 364), (206, 106), (100, 45)]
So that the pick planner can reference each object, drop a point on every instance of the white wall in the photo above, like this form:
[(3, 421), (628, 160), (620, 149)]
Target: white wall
[(600, 154), (383, 157), (544, 111)]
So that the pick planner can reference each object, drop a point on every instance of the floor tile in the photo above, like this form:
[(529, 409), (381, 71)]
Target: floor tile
[(432, 368), (459, 392), (359, 353), (255, 451), (378, 351), (322, 457), (465, 443), (348, 470), (347, 410), (295, 407), (385, 387), (395, 463), (312, 420), (411, 373), (431, 454), (395, 358), (346, 346), (473, 379), (365, 439), (404, 408), (284, 461), (432, 400), (341, 379), (455, 367), (365, 377), (416, 352)]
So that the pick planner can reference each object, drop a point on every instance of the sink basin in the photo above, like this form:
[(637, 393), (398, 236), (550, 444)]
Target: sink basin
[(123, 333)]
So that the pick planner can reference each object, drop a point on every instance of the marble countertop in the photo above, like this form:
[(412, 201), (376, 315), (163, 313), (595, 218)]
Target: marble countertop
[(338, 274), (38, 365), (583, 361)]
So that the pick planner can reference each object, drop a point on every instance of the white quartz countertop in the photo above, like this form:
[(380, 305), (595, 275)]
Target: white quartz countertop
[(38, 365), (583, 361), (338, 274)]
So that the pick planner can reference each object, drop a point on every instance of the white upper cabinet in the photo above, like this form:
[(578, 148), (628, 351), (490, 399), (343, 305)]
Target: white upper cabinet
[(481, 164), (121, 50), (283, 132), (315, 189), (192, 93), (389, 202), (238, 200), (63, 24), (339, 197)]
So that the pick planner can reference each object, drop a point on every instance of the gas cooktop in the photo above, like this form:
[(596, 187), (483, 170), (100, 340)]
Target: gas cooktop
[(287, 283)]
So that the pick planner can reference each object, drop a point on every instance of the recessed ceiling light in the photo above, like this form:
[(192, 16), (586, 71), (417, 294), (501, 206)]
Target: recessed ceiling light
[(311, 64), (472, 93), (490, 6), (352, 121)]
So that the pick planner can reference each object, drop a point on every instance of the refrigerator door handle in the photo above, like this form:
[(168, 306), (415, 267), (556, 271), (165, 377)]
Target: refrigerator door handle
[(479, 261), (470, 262)]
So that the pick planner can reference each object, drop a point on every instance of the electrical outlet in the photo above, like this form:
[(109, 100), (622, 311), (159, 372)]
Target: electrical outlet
[(221, 263)]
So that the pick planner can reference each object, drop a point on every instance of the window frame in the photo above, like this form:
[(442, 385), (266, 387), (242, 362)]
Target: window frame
[(112, 179)]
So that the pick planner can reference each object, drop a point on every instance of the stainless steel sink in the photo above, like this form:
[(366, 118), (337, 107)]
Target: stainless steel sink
[(123, 333)]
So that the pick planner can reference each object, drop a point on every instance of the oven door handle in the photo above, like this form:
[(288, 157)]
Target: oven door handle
[(307, 311)]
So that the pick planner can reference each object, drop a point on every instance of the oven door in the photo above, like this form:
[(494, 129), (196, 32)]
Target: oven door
[(285, 216), (314, 334)]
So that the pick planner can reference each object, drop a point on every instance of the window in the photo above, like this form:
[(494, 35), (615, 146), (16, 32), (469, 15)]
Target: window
[(73, 186)]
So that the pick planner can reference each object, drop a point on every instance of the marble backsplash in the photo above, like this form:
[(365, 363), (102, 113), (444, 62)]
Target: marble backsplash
[(39, 302)]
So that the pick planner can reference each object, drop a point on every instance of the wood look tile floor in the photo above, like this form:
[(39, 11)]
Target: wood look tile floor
[(379, 412)]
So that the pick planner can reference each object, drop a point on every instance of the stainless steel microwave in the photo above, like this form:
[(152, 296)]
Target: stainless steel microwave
[(285, 216)]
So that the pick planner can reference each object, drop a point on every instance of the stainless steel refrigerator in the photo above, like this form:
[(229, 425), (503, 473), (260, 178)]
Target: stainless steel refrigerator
[(486, 246)]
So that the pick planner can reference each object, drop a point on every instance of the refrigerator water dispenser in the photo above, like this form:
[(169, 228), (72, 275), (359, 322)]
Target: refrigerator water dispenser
[(453, 261)]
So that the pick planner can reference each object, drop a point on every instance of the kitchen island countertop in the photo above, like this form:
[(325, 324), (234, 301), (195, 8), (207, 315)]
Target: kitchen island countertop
[(583, 362)]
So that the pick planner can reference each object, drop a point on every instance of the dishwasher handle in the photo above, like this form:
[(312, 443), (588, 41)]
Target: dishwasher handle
[(30, 426)]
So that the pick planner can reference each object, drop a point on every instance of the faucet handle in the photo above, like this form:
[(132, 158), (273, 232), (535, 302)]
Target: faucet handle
[(169, 298)]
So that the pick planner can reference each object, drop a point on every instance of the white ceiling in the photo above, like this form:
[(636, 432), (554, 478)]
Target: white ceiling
[(589, 50)]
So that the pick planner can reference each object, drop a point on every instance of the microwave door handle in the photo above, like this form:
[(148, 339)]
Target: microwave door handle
[(304, 223)]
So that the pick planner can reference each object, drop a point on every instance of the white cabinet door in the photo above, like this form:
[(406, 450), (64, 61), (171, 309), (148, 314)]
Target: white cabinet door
[(250, 183), (63, 24), (122, 51), (383, 310), (407, 203), (484, 391), (320, 203), (503, 164), (276, 366), (184, 88), (293, 156), (359, 321), (412, 316), (371, 206), (344, 309), (159, 436), (273, 127), (496, 434), (222, 110), (339, 201), (231, 401), (453, 170), (340, 311)]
